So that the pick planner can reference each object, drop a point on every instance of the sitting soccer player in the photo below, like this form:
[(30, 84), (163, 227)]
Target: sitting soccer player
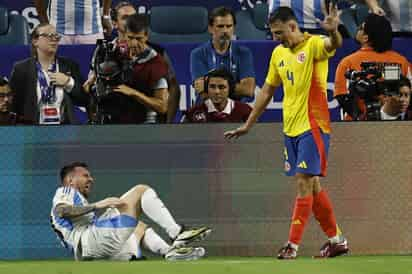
[(218, 107), (108, 229)]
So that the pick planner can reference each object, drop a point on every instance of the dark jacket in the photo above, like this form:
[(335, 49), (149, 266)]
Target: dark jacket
[(23, 82)]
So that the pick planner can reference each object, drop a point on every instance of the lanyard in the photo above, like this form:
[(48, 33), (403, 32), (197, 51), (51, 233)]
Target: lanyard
[(48, 92), (232, 67)]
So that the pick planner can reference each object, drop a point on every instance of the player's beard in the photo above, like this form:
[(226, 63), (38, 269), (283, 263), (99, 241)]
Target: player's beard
[(285, 44)]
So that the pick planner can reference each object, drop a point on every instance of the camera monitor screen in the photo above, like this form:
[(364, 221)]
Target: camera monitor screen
[(391, 72)]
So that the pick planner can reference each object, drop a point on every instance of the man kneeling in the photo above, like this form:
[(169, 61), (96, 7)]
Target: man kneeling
[(108, 229)]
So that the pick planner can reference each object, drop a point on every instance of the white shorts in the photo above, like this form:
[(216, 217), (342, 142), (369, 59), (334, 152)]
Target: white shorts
[(110, 237)]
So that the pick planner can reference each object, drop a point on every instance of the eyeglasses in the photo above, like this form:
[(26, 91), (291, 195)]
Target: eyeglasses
[(51, 36), (8, 95)]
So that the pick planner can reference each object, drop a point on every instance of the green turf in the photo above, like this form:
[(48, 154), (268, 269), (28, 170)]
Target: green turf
[(214, 265)]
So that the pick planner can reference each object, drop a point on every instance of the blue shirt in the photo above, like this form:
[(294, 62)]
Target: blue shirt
[(238, 60)]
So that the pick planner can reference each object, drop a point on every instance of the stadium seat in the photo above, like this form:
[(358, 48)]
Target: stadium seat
[(250, 25), (353, 17), (14, 29), (178, 24), (260, 15)]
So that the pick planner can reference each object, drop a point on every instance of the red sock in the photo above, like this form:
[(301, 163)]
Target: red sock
[(301, 214), (323, 211)]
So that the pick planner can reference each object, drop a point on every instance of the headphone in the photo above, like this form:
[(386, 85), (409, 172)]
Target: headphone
[(3, 81), (220, 73)]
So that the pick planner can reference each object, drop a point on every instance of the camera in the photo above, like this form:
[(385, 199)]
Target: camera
[(374, 79), (112, 67)]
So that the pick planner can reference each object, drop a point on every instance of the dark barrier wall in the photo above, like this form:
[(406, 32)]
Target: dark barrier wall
[(180, 55), (236, 187)]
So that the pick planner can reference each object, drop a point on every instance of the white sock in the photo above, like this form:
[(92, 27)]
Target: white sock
[(154, 208), (152, 241)]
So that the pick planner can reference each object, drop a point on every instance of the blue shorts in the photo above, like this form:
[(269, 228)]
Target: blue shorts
[(307, 153)]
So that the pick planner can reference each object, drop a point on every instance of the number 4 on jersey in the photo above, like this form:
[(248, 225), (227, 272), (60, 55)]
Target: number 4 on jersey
[(289, 75)]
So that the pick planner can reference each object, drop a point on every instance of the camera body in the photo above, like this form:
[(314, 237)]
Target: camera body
[(112, 67), (374, 79)]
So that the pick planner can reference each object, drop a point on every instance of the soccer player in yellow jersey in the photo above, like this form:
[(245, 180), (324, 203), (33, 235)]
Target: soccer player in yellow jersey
[(300, 63)]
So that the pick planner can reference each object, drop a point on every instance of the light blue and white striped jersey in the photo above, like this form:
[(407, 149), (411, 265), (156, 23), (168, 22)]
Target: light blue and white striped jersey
[(399, 13), (69, 230), (75, 17), (306, 11)]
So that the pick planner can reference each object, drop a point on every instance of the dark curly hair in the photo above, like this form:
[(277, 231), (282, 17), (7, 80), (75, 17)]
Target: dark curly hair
[(379, 31), (220, 12), (282, 14), (69, 168)]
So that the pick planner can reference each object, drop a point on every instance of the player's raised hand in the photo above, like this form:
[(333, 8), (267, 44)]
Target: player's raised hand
[(110, 202), (236, 133), (331, 21)]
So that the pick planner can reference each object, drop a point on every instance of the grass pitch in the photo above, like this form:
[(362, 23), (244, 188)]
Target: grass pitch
[(219, 265)]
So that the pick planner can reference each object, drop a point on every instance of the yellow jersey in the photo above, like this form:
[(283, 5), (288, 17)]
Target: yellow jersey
[(303, 71)]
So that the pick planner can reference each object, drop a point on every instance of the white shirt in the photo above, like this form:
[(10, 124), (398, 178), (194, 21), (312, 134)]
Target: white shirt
[(69, 230), (230, 105), (385, 116)]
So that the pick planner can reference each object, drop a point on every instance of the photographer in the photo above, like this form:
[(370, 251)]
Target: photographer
[(375, 38), (143, 93), (119, 14), (397, 107)]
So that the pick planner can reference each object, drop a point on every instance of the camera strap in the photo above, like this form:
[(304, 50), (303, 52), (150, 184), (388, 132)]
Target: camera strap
[(232, 68)]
